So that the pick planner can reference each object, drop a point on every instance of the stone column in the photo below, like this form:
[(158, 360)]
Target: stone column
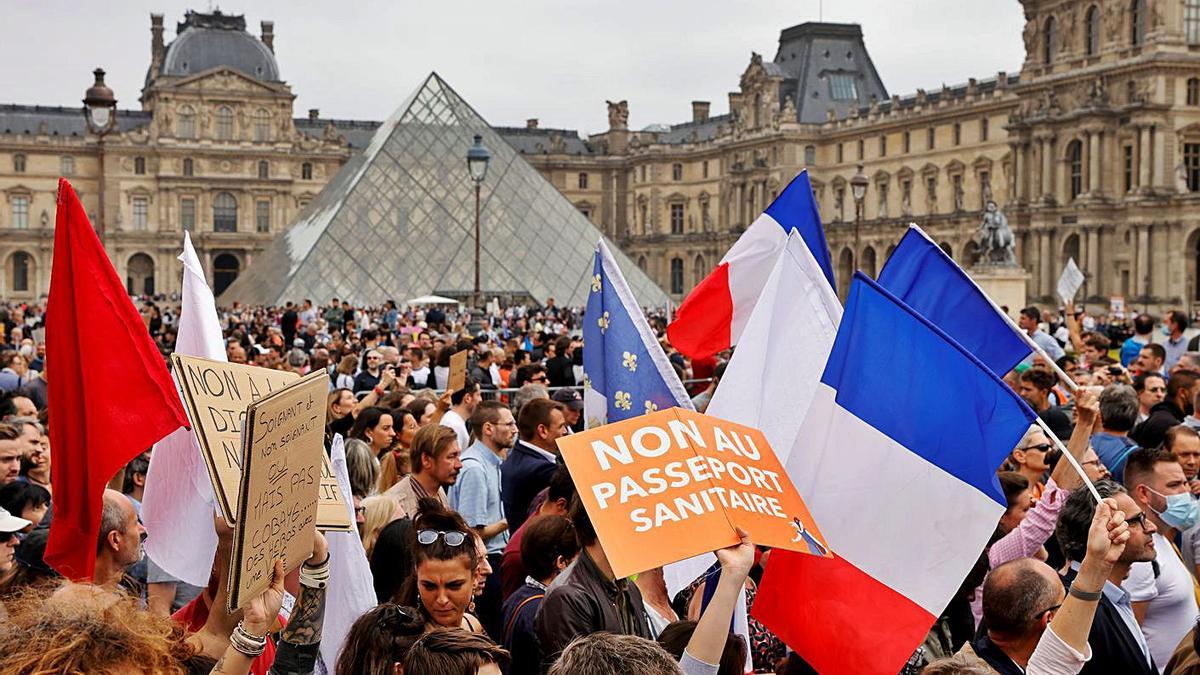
[(1046, 265), (1142, 281), (1144, 159), (1093, 260), (1093, 150), (1158, 164), (1047, 168), (1039, 177), (1017, 166)]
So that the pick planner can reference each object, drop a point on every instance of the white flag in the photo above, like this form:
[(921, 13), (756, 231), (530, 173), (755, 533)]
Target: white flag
[(351, 591), (177, 508), (776, 367), (1070, 281)]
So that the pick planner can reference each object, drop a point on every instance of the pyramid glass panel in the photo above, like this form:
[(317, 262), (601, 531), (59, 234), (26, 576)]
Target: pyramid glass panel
[(398, 221)]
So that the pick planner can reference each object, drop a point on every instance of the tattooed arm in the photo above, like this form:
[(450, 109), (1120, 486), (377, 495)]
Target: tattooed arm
[(299, 642)]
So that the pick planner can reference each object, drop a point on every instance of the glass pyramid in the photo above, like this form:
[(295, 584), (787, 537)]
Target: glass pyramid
[(398, 221)]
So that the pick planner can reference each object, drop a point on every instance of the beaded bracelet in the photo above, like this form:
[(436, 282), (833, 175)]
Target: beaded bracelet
[(246, 643)]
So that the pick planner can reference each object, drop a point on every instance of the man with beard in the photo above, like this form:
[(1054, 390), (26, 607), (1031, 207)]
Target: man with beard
[(435, 457), (476, 495), (1169, 412)]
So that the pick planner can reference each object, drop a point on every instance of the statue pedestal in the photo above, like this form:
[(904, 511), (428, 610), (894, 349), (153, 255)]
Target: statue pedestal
[(1006, 286)]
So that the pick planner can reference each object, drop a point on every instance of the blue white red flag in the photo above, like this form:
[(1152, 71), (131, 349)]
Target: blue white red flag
[(921, 275), (896, 459), (714, 315), (625, 371)]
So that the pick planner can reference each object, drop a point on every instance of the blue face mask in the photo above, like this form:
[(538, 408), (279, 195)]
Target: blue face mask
[(1166, 331), (1182, 512)]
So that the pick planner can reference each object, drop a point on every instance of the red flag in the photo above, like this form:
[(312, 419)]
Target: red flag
[(110, 395)]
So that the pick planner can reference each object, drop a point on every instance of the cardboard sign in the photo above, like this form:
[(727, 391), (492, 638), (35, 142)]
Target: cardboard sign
[(1070, 281), (216, 395), (674, 484), (332, 514), (458, 371), (281, 481)]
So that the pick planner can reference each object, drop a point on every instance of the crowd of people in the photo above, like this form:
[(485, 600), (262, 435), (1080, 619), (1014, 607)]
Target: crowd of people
[(484, 560)]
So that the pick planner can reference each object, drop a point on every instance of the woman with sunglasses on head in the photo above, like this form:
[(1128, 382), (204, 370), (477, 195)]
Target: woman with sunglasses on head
[(445, 562)]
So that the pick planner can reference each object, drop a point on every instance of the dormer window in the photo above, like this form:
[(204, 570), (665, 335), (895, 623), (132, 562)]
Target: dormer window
[(842, 87)]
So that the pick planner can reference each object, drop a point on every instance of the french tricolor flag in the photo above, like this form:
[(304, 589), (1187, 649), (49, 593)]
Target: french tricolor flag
[(896, 459), (715, 313)]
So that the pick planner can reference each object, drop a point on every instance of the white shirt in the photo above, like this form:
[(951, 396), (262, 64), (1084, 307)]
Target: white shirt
[(455, 421), (1172, 610)]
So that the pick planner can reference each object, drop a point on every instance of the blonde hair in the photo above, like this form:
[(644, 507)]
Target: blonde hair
[(378, 513), (73, 633), (392, 468)]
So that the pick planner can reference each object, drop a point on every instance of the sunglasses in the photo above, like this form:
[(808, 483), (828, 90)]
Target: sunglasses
[(6, 537), (1040, 447), (453, 538), (539, 378)]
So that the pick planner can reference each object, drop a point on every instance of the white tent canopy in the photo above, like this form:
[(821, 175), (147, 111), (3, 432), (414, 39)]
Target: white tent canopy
[(432, 300)]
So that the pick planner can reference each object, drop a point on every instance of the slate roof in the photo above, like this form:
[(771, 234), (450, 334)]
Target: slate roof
[(207, 41), (60, 121), (538, 141), (810, 53)]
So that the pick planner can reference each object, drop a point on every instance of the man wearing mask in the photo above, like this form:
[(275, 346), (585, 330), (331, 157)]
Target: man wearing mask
[(1171, 411), (1164, 601), (1174, 324)]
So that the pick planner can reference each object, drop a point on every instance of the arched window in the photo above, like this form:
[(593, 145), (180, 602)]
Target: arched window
[(264, 169), (1048, 40), (225, 269), (1071, 248), (1137, 22), (262, 125), (306, 171), (868, 261), (1193, 91), (188, 166), (225, 123), (677, 276), (1075, 167), (22, 268), (19, 163), (845, 271), (224, 213), (945, 246), (139, 165), (139, 275), (642, 263), (186, 126), (699, 270), (1091, 31)]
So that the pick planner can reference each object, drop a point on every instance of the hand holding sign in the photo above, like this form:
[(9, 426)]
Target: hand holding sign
[(458, 371), (1070, 281), (667, 486)]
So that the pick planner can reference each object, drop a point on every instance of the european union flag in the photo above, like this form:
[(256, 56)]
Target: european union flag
[(922, 276), (625, 372)]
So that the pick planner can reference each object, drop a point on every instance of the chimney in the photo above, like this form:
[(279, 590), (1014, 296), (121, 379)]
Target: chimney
[(314, 114), (531, 123), (156, 42), (700, 111), (268, 35)]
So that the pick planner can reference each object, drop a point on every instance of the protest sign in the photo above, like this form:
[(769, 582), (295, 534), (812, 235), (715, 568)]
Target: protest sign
[(216, 395), (1070, 281), (458, 371), (283, 449), (332, 514), (673, 484)]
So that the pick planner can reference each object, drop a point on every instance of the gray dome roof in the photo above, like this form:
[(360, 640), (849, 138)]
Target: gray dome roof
[(207, 41)]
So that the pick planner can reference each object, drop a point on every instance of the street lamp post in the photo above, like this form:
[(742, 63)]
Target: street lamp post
[(477, 165), (858, 187), (100, 111)]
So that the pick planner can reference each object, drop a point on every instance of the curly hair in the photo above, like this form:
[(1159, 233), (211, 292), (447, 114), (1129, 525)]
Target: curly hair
[(70, 636), (379, 639)]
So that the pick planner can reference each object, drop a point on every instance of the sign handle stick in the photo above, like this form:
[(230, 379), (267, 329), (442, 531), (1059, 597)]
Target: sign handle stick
[(1070, 458)]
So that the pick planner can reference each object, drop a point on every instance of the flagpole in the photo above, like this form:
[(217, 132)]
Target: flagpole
[(1070, 458)]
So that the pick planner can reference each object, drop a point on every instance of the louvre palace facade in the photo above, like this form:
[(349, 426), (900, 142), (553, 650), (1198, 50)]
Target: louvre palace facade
[(1091, 149)]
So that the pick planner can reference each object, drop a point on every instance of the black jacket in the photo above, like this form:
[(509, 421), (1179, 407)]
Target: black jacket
[(522, 476), (560, 371), (581, 602), (1152, 432), (1114, 648)]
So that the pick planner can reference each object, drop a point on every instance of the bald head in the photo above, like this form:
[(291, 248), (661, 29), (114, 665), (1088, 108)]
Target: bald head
[(1016, 596)]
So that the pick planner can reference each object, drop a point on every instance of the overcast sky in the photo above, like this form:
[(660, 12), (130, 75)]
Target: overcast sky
[(557, 60)]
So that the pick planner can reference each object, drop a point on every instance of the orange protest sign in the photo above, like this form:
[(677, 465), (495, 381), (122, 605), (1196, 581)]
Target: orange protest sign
[(668, 486)]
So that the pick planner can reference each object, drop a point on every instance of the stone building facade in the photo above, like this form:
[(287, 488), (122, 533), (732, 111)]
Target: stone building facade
[(1092, 150)]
